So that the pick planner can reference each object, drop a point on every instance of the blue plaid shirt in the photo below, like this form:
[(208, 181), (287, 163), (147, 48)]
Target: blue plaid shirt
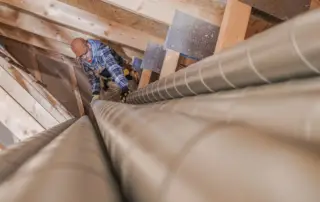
[(102, 58)]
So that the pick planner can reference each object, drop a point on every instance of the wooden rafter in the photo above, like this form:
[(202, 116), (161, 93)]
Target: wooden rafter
[(84, 22), (163, 11), (40, 94), (46, 31), (29, 103), (35, 40)]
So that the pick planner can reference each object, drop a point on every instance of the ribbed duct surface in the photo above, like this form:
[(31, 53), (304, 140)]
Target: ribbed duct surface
[(71, 168), (289, 109), (290, 50), (166, 156)]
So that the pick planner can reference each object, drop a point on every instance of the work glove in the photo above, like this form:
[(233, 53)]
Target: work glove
[(124, 94), (94, 98)]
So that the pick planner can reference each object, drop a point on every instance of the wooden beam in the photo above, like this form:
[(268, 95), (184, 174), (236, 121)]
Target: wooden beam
[(124, 17), (16, 119), (48, 30), (85, 22), (40, 94), (35, 40), (75, 88), (234, 24), (145, 78), (163, 11), (315, 4), (17, 92), (170, 63)]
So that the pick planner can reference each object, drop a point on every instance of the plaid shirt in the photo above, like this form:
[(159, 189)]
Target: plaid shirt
[(103, 58)]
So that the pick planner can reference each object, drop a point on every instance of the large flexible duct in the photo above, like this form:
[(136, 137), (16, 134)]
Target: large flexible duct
[(290, 50), (288, 109), (71, 168), (163, 156), (12, 158)]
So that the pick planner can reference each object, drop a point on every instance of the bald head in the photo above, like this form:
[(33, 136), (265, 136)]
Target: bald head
[(79, 46)]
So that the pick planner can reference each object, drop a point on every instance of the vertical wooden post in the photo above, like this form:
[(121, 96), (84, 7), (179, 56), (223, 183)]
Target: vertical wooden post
[(170, 63), (234, 24), (145, 78), (314, 4), (76, 90)]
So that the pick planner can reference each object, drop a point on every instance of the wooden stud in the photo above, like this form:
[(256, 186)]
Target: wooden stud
[(170, 63), (75, 88), (145, 78), (234, 24)]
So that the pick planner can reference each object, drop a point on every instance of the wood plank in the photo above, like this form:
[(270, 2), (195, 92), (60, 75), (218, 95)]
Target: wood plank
[(47, 29), (39, 113), (16, 119), (121, 16), (41, 95), (35, 40), (314, 4), (76, 90), (145, 78), (170, 63), (85, 22), (234, 25), (163, 11)]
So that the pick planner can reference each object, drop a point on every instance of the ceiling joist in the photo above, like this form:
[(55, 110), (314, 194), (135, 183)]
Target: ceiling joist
[(46, 34), (163, 11), (85, 22)]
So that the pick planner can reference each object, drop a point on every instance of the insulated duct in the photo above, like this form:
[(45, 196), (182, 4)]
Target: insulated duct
[(71, 168), (12, 158), (290, 50), (165, 156), (289, 109)]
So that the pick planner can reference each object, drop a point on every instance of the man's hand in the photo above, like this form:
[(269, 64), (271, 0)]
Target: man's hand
[(124, 95), (94, 98)]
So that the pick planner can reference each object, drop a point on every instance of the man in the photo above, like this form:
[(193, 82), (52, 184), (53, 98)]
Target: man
[(99, 61)]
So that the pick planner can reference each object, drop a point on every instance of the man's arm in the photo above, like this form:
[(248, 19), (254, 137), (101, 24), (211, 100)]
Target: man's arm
[(95, 84), (115, 70), (93, 80)]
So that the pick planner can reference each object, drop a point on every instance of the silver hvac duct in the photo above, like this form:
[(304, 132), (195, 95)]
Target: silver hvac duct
[(164, 156), (290, 50), (71, 168), (289, 109), (12, 158)]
